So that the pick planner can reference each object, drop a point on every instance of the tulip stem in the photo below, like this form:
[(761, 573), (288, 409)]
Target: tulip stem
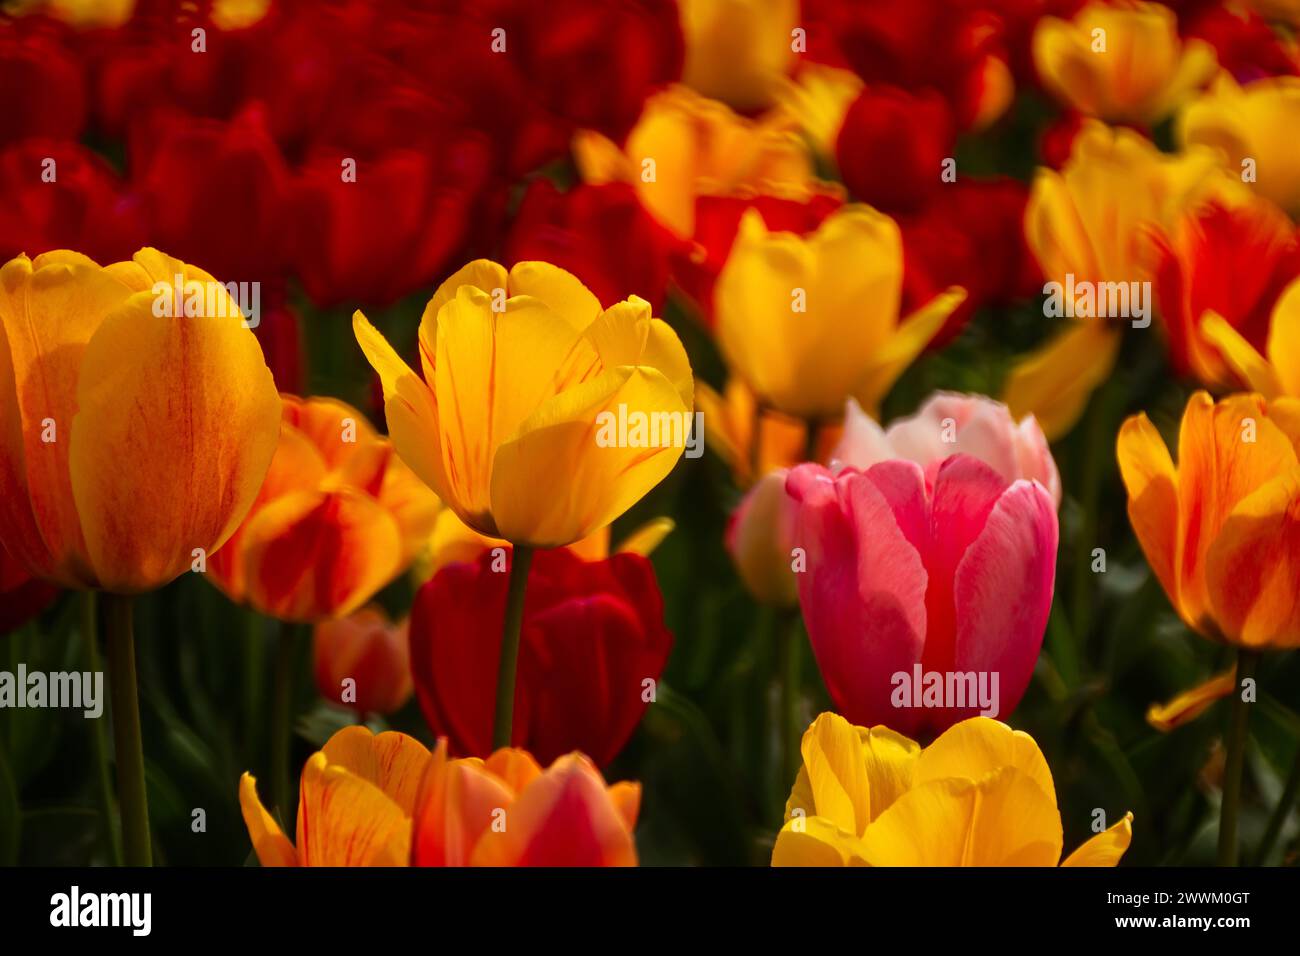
[(286, 653), (90, 633), (1280, 813), (132, 796), (520, 562), (1235, 743), (789, 635)]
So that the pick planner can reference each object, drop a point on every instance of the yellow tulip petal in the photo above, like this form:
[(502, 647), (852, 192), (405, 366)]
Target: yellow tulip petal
[(1003, 820), (1054, 383), (1247, 364), (393, 762), (913, 335), (1152, 483), (1105, 848), (816, 841), (1190, 704), (646, 538), (269, 842), (482, 274), (979, 746), (345, 820), (555, 483), (563, 292), (176, 427), (1284, 339), (836, 772), (516, 768)]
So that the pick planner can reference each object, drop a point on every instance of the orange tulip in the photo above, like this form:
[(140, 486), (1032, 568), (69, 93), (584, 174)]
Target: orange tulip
[(384, 800), (1221, 530), (373, 653), (132, 444), (339, 517)]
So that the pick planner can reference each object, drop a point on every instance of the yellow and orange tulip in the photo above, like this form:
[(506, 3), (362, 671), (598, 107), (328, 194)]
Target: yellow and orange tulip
[(1220, 529), (738, 51), (1122, 63), (133, 444), (1091, 220), (808, 322), (384, 800), (980, 795), (338, 517), (503, 425)]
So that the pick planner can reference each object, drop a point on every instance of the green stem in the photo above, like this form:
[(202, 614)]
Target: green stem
[(132, 796), (282, 787), (90, 634), (1235, 743), (1280, 813), (790, 636), (254, 681), (520, 561)]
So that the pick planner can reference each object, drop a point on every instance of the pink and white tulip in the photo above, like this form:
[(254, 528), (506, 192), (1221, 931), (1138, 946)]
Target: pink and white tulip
[(949, 567)]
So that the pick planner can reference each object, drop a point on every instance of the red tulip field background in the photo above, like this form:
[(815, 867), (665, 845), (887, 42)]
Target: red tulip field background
[(660, 432)]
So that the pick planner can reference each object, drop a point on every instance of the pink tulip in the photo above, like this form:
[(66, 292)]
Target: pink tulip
[(949, 424), (912, 578)]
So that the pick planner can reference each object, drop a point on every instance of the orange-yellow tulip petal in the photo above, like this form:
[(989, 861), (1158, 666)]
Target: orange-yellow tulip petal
[(1246, 363), (361, 540), (191, 404), (516, 768), (1284, 339), (1253, 565), (393, 762), (1190, 704), (1148, 474), (269, 842), (979, 746), (816, 841), (565, 817), (345, 820), (914, 333), (1105, 848), (458, 803)]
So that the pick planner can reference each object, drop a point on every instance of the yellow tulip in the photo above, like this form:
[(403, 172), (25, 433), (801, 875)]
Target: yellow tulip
[(1259, 123), (980, 795), (738, 51), (1220, 529), (1092, 221), (1276, 373), (808, 322), (1137, 69), (133, 443), (685, 146), (523, 372), (817, 99)]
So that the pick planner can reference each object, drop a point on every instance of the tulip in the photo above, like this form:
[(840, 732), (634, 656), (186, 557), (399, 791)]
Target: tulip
[(384, 800), (1137, 70), (592, 636), (892, 145), (1220, 534), (338, 517), (1253, 128), (739, 51), (685, 146), (1244, 42), (1092, 221), (496, 455), (41, 82), (808, 322), (817, 99), (1220, 277), (752, 440), (110, 388), (979, 795), (950, 577), (372, 652), (22, 597)]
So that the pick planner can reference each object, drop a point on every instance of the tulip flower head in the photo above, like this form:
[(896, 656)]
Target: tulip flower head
[(338, 517), (363, 662), (925, 599), (1219, 529), (384, 800), (520, 370), (980, 795), (136, 437), (808, 322)]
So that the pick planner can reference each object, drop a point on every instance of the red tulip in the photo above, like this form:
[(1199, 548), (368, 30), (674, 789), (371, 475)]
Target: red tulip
[(22, 597), (601, 234), (214, 191), (1245, 44), (41, 81), (593, 636), (892, 146), (84, 207), (909, 582)]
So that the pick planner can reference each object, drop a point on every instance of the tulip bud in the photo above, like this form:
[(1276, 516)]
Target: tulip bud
[(363, 662), (760, 537)]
